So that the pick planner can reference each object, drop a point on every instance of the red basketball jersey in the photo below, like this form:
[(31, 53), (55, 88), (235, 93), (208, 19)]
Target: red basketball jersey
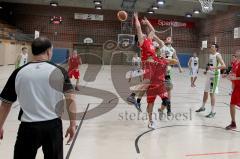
[(74, 62), (234, 65), (237, 72), (148, 50)]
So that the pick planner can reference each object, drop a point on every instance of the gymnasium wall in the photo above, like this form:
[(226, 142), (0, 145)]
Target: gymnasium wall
[(10, 49), (221, 27), (71, 32)]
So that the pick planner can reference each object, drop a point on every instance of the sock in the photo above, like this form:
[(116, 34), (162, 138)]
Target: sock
[(212, 109), (139, 100), (133, 94)]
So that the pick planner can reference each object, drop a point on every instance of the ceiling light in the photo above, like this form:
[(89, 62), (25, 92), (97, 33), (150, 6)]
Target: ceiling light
[(150, 11), (98, 7), (54, 4), (196, 12), (96, 2), (160, 2), (188, 15), (154, 7), (1, 7)]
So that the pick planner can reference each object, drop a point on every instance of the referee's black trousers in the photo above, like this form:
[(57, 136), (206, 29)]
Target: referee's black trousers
[(32, 136)]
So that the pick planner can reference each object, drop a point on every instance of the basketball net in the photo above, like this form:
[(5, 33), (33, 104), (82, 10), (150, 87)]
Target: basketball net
[(207, 5), (164, 31)]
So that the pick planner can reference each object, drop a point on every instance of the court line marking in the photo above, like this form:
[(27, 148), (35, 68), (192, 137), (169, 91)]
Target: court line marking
[(212, 154), (77, 132), (138, 138)]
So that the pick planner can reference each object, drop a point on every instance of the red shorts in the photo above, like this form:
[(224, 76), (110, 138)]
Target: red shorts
[(74, 73), (149, 69), (235, 98), (155, 90)]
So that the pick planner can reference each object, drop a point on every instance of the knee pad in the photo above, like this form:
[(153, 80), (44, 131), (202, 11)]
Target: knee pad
[(166, 102)]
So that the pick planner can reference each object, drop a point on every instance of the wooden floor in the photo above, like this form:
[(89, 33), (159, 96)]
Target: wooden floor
[(109, 128)]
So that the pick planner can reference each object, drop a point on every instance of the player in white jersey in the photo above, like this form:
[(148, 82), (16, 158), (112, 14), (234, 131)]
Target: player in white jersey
[(22, 59), (193, 65), (215, 65), (170, 53), (136, 70)]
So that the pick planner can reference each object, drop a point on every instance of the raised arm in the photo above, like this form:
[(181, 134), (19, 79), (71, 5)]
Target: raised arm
[(139, 29), (149, 25), (146, 22), (159, 41)]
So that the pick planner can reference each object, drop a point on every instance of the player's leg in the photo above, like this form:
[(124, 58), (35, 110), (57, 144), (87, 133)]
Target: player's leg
[(53, 140), (213, 91), (28, 141), (205, 95), (191, 81), (213, 101), (194, 76), (204, 101), (232, 113), (149, 69), (194, 80), (191, 76), (77, 77), (151, 97), (235, 101), (165, 103), (151, 123), (169, 111)]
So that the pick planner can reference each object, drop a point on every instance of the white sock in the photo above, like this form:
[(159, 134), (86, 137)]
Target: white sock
[(203, 105), (212, 109)]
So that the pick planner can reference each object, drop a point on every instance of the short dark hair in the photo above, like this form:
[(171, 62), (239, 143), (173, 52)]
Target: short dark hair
[(40, 45), (216, 46), (24, 48)]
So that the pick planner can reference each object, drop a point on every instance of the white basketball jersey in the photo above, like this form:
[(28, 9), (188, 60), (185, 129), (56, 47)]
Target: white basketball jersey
[(213, 62), (194, 62), (168, 51), (23, 60)]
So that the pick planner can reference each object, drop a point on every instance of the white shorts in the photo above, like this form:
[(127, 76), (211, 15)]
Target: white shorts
[(212, 83), (134, 73), (193, 72)]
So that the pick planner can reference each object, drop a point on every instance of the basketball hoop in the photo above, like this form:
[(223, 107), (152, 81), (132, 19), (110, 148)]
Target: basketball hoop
[(206, 5)]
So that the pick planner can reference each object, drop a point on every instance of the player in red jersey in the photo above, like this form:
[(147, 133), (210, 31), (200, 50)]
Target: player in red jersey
[(148, 58), (158, 88), (231, 70), (235, 97), (74, 62)]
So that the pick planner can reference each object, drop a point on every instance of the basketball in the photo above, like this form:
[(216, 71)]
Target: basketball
[(122, 15)]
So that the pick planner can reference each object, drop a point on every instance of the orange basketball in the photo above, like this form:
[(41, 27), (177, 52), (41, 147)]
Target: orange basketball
[(122, 15)]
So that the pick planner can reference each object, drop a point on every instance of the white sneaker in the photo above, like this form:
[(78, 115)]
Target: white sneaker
[(151, 125)]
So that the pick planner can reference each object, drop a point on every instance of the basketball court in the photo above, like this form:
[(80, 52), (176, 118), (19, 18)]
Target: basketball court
[(108, 127)]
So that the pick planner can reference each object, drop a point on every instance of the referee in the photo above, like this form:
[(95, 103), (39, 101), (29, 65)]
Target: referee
[(41, 88)]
